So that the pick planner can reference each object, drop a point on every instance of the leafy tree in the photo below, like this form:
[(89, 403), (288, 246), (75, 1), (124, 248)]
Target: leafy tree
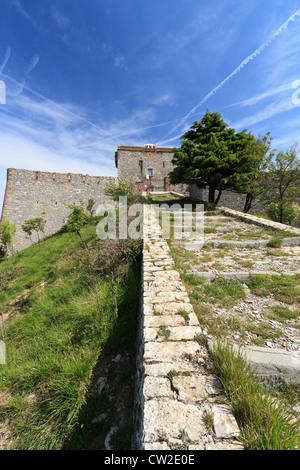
[(34, 225), (251, 180), (8, 232), (77, 219), (282, 186), (291, 211), (123, 187), (211, 155)]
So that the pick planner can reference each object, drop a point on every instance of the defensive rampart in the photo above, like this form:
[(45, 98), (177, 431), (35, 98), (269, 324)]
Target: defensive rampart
[(31, 194)]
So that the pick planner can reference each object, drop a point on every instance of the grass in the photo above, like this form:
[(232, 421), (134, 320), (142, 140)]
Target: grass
[(284, 313), (283, 288), (221, 291), (164, 332), (55, 336), (265, 424), (263, 332)]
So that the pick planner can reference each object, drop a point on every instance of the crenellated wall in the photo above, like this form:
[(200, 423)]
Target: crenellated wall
[(31, 194)]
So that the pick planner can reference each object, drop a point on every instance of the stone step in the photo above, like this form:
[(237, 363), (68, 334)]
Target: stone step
[(271, 365), (194, 245), (239, 275)]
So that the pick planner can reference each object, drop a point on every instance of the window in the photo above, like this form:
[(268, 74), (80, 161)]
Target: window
[(150, 171)]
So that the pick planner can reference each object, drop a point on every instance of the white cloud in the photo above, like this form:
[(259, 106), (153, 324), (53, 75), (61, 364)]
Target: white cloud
[(243, 64), (120, 62), (271, 110), (163, 99), (38, 134), (261, 96), (6, 59), (33, 63), (60, 18), (21, 10)]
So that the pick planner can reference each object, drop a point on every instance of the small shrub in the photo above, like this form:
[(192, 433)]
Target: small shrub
[(265, 424), (275, 242), (8, 232)]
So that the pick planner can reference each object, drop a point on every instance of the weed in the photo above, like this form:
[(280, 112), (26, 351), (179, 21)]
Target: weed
[(275, 242), (164, 332), (265, 424), (208, 419), (283, 288), (184, 314), (284, 313)]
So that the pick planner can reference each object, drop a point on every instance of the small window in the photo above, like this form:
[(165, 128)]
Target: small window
[(164, 164), (150, 171)]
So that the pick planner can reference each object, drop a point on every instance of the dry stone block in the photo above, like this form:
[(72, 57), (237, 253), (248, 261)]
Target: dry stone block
[(179, 333), (163, 320), (225, 424), (163, 368), (168, 419), (162, 351), (194, 389), (158, 388)]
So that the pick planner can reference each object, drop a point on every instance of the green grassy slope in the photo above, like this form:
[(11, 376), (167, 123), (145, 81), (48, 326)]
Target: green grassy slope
[(55, 336)]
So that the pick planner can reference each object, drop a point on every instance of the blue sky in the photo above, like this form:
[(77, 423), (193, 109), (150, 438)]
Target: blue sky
[(82, 77)]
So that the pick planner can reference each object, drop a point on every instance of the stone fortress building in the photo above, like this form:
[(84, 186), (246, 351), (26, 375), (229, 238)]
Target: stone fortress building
[(147, 168), (30, 194)]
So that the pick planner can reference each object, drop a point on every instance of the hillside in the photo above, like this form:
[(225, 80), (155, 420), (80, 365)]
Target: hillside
[(61, 339)]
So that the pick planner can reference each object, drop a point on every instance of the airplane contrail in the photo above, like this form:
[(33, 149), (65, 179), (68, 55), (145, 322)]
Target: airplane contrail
[(63, 108), (252, 56), (6, 58)]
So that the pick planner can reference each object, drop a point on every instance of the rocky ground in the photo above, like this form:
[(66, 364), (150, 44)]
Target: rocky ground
[(240, 264)]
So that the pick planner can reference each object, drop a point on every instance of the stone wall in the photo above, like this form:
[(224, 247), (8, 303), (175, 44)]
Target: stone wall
[(134, 163), (31, 194), (230, 199), (233, 200), (174, 391)]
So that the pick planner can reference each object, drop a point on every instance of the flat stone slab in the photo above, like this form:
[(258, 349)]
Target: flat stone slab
[(171, 333), (224, 446), (160, 351), (195, 245), (270, 363), (258, 220), (194, 389), (158, 388), (162, 369), (290, 241), (239, 275), (169, 419), (225, 424)]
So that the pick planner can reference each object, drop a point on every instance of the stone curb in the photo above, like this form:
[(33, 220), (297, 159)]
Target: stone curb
[(172, 394), (257, 220)]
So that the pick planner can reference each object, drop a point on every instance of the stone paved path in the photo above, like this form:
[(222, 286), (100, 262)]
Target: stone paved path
[(182, 405)]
